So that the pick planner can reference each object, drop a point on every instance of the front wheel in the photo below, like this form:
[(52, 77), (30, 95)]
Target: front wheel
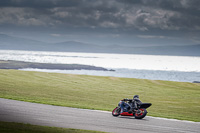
[(141, 113), (116, 111)]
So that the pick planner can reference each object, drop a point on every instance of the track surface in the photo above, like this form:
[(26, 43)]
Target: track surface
[(48, 115)]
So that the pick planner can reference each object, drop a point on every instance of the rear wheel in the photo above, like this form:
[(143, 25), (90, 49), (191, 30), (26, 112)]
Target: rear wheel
[(141, 113), (116, 111)]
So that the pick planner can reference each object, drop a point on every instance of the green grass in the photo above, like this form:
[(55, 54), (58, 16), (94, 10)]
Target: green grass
[(179, 100), (11, 127)]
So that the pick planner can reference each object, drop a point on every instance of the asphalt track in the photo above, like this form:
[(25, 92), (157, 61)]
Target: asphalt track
[(48, 115)]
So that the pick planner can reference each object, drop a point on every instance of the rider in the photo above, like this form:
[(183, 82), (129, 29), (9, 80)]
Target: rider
[(134, 102)]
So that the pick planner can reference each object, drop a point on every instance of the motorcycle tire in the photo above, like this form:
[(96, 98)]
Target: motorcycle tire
[(141, 113), (116, 111)]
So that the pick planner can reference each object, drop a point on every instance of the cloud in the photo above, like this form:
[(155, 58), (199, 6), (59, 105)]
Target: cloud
[(150, 19), (56, 35), (150, 36), (40, 3), (138, 14)]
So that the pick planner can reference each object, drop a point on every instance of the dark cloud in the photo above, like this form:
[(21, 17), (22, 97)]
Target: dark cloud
[(39, 3), (113, 16), (138, 14)]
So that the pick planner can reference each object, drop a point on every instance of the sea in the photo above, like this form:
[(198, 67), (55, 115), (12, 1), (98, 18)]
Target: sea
[(154, 67)]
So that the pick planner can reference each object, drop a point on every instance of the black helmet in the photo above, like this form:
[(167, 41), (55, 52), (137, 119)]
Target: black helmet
[(136, 96)]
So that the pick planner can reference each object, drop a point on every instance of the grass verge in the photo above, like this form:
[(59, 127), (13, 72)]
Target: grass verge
[(11, 127), (178, 100)]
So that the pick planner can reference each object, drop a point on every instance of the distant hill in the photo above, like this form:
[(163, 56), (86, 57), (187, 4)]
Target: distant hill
[(16, 43), (73, 46)]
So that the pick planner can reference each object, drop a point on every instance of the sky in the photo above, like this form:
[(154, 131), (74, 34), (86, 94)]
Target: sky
[(103, 22)]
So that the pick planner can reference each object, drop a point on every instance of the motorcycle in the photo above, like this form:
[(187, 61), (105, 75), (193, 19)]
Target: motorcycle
[(139, 111)]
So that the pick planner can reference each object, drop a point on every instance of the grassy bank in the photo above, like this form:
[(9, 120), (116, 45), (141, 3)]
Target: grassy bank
[(11, 127), (177, 100)]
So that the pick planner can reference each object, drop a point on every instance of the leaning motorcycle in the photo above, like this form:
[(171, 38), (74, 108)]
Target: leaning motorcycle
[(138, 112)]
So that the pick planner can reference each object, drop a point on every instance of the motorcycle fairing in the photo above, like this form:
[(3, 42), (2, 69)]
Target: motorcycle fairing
[(126, 114), (125, 106)]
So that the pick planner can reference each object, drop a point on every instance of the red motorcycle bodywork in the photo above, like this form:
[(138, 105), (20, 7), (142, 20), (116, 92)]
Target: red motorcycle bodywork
[(126, 114)]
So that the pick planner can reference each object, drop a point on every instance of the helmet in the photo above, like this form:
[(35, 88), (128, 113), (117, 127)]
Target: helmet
[(136, 96)]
